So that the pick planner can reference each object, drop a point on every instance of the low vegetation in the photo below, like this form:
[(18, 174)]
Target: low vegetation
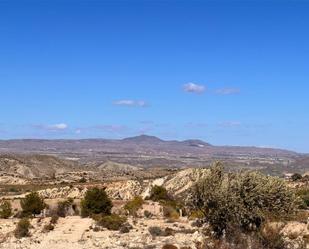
[(234, 210), (159, 193), (64, 206), (5, 210), (112, 222), (296, 177), (22, 228), (170, 206), (134, 205), (33, 204), (49, 227), (96, 202), (303, 193), (242, 201)]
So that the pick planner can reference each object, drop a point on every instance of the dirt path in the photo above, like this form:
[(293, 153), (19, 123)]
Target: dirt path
[(68, 234)]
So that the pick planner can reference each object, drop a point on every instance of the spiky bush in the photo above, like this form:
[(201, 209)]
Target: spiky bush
[(242, 200), (96, 202), (5, 210)]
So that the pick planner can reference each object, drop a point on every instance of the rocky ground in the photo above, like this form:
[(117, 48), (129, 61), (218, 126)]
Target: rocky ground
[(75, 232), (80, 233)]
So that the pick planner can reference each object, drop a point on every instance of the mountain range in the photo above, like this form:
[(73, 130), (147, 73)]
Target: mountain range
[(150, 151)]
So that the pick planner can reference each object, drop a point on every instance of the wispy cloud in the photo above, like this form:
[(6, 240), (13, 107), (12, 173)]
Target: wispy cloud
[(193, 88), (53, 127), (227, 91), (227, 124), (61, 126), (196, 125), (130, 102), (111, 128)]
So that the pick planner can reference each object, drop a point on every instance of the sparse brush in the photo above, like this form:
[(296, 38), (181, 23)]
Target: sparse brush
[(64, 206), (134, 205), (5, 210), (49, 227), (159, 193), (22, 228), (242, 199), (54, 219), (112, 222)]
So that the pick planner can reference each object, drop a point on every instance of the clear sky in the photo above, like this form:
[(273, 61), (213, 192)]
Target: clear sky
[(227, 72)]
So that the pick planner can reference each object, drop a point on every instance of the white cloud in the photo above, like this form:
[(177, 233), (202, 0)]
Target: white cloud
[(60, 126), (194, 88), (130, 102), (54, 127), (227, 91)]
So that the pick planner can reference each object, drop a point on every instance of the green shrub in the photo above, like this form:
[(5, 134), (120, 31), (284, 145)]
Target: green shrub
[(159, 193), (303, 193), (54, 219), (32, 204), (112, 222), (125, 228), (49, 227), (22, 228), (82, 180), (242, 200), (96, 201), (296, 177), (147, 214), (134, 205), (5, 210), (63, 207), (196, 214)]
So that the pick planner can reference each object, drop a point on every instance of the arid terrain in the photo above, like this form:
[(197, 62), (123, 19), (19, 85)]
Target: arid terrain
[(136, 157), (65, 170)]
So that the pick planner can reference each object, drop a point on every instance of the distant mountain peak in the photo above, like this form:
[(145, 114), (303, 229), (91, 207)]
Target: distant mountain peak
[(143, 139), (196, 143)]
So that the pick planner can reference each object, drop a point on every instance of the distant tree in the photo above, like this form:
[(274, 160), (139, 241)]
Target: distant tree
[(33, 204), (296, 177), (95, 202), (5, 210)]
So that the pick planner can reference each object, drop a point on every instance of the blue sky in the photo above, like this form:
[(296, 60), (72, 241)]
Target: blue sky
[(227, 72)]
